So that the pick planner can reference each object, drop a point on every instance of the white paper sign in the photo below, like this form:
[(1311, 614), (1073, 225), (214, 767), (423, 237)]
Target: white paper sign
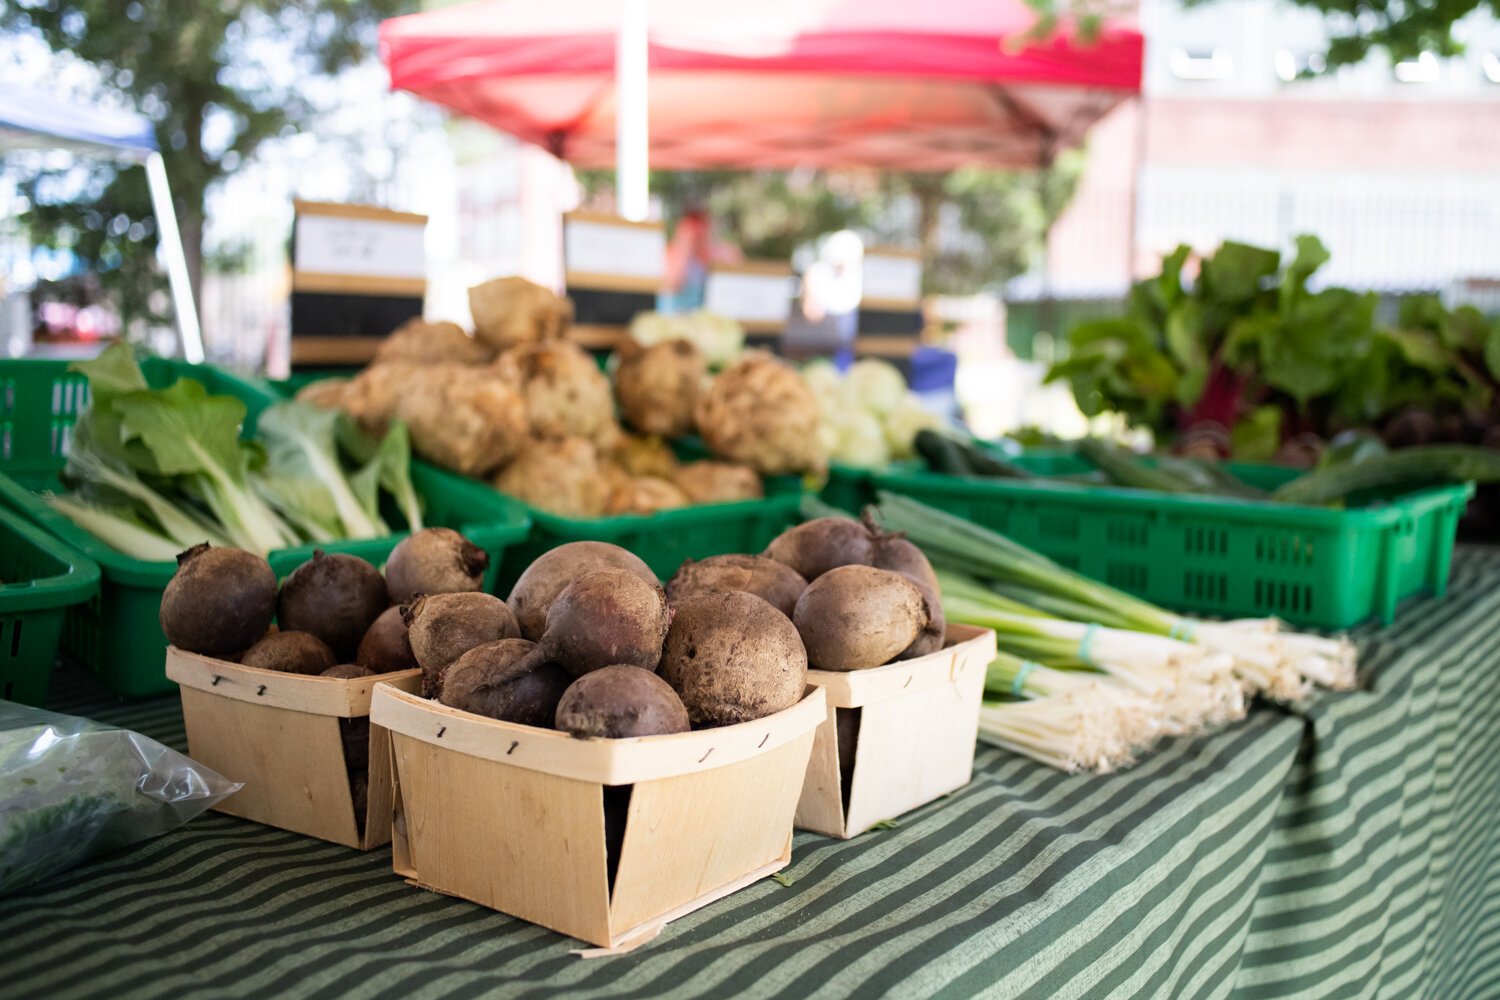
[(376, 248), (624, 251), (892, 278), (750, 298)]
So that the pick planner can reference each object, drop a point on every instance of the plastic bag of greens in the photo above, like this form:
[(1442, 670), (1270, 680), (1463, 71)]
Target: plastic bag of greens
[(71, 788)]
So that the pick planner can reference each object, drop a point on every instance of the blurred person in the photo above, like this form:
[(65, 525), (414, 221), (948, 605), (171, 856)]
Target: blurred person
[(827, 318), (691, 252)]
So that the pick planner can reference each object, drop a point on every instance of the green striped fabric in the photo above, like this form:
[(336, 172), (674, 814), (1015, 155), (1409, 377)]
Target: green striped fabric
[(1351, 849)]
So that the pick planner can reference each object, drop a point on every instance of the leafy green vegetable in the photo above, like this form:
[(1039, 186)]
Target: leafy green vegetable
[(1257, 436), (1254, 347), (301, 444), (155, 471), (190, 433), (391, 456), (99, 479), (1302, 346), (303, 502)]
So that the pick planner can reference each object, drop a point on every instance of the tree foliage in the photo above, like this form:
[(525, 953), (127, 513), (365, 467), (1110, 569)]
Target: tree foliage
[(216, 79), (1401, 29)]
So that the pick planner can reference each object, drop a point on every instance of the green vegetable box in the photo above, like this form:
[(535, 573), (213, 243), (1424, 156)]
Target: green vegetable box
[(118, 634), (40, 579), (665, 538), (1216, 556)]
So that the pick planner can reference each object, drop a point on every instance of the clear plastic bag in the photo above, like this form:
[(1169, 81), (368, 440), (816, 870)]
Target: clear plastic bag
[(72, 788)]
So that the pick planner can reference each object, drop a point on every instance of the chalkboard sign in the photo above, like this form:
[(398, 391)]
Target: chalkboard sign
[(890, 309), (358, 272)]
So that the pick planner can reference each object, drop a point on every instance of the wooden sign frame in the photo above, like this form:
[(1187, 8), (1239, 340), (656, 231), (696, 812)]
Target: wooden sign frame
[(370, 306), (762, 268)]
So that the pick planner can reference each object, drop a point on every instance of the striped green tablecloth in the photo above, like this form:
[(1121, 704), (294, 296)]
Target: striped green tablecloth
[(1350, 849)]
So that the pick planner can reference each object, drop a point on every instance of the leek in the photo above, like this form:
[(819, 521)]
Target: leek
[(1089, 677), (1271, 661)]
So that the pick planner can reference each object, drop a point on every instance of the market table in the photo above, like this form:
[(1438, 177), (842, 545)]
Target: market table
[(1349, 848)]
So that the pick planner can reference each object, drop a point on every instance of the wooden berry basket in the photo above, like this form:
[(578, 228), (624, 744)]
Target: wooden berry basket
[(279, 734), (918, 722), (513, 817)]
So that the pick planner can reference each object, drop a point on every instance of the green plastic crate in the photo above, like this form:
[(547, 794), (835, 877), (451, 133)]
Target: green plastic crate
[(293, 383), (848, 488), (851, 488), (40, 579), (664, 539), (119, 636), (1213, 556)]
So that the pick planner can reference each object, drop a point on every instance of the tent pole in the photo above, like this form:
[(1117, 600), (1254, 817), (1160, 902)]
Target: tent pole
[(190, 335), (632, 155)]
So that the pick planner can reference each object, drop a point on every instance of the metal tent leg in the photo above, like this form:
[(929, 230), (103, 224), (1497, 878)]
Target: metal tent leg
[(189, 333)]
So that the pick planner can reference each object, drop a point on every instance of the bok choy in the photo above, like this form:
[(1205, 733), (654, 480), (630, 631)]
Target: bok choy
[(155, 471)]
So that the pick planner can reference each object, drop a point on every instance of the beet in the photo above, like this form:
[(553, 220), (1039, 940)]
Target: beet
[(772, 581), (897, 554), (608, 617), (335, 597), (733, 658), (817, 546), (620, 702), (434, 561), (356, 737), (443, 627), (359, 790), (495, 681), (219, 602), (385, 647), (348, 671), (1412, 426), (857, 617), (290, 653), (552, 571)]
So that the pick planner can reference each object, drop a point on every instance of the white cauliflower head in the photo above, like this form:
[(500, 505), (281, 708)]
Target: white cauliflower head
[(719, 338), (860, 440), (903, 424), (877, 385)]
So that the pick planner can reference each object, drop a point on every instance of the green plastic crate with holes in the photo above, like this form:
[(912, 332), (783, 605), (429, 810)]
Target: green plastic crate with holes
[(664, 539), (40, 579), (119, 636), (852, 488), (1212, 556), (294, 383)]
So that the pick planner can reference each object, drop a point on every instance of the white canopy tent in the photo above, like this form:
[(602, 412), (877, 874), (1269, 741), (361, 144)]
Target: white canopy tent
[(32, 120)]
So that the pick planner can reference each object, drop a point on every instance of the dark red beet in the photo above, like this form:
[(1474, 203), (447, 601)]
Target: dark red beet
[(335, 597)]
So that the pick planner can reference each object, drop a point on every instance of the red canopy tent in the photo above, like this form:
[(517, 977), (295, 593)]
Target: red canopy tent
[(904, 84)]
